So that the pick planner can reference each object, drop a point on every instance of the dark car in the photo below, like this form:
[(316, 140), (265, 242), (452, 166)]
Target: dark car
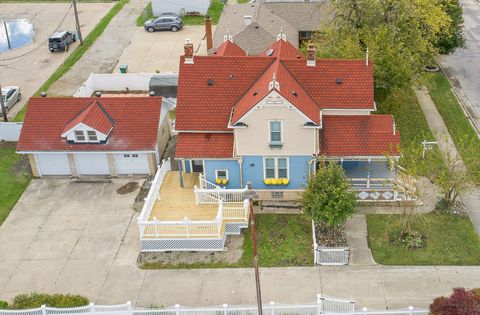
[(61, 41), (164, 22)]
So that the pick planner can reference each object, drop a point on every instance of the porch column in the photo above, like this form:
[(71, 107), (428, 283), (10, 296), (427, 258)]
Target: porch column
[(180, 172)]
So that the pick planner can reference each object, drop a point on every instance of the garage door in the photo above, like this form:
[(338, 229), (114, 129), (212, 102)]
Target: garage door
[(131, 163), (92, 164), (53, 164)]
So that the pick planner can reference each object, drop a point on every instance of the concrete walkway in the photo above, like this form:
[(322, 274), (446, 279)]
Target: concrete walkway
[(360, 253), (104, 53), (446, 145)]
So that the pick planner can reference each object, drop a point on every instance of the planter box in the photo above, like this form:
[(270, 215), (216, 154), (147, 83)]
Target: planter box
[(328, 255)]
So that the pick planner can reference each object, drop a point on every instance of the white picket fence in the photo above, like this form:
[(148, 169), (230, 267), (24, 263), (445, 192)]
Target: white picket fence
[(10, 131), (323, 305), (210, 193), (328, 255)]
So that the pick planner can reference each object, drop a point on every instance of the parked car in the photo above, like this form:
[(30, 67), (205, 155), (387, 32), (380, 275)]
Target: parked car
[(11, 95), (165, 21), (61, 40)]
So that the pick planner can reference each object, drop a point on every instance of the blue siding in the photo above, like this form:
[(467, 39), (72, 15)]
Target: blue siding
[(230, 165), (298, 172)]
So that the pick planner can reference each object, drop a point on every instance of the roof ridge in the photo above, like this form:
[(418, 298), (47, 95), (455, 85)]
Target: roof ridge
[(102, 108)]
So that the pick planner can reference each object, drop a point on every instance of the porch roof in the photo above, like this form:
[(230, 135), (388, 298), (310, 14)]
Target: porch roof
[(204, 145)]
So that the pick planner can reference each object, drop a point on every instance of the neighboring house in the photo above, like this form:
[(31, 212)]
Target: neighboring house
[(110, 136), (254, 26), (180, 6), (270, 119)]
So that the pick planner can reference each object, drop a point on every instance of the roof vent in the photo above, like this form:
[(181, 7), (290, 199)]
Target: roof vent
[(255, 93), (231, 77), (43, 94), (294, 93), (151, 93), (98, 93), (298, 56), (339, 80), (310, 124), (269, 52), (210, 82)]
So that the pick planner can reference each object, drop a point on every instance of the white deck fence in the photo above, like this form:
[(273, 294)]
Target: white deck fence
[(10, 131), (210, 193), (328, 255), (323, 305)]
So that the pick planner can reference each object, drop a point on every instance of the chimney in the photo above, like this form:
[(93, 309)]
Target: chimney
[(208, 32), (247, 19), (311, 55), (188, 48)]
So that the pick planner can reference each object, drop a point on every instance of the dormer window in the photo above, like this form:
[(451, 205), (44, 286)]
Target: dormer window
[(92, 136), (80, 136)]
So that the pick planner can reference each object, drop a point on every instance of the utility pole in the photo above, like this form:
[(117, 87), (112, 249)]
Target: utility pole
[(6, 33), (74, 2), (250, 194), (2, 105)]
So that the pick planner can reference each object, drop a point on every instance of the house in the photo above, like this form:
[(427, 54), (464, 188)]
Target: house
[(192, 7), (269, 120), (254, 26), (105, 135)]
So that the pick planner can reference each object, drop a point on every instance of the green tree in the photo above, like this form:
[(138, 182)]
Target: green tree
[(401, 36), (327, 197), (452, 37)]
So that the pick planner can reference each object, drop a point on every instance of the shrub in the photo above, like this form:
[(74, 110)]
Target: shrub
[(3, 304), (460, 302), (34, 300), (412, 240)]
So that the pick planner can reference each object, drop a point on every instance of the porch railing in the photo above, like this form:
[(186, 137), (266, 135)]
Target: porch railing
[(211, 193), (362, 183), (187, 228)]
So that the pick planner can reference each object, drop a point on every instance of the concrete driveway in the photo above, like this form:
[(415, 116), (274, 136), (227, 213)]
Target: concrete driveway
[(32, 70), (160, 51)]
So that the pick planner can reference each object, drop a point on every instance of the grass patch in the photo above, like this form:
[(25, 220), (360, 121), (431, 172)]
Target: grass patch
[(243, 1), (282, 240), (77, 53), (450, 240), (14, 178), (215, 10), (414, 129), (462, 132)]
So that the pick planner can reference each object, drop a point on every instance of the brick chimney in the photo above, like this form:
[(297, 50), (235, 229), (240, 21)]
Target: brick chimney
[(208, 32), (188, 49), (311, 55)]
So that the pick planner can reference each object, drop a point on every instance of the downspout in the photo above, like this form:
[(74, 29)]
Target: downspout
[(240, 164)]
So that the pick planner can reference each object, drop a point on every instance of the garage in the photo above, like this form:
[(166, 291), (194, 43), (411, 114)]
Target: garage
[(53, 164), (92, 164), (131, 163)]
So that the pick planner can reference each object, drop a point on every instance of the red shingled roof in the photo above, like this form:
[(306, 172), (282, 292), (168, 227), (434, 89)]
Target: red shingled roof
[(94, 116), (135, 127), (229, 48), (284, 50), (204, 145), (367, 135)]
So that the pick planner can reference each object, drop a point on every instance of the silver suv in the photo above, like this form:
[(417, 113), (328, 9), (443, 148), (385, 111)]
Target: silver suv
[(165, 21)]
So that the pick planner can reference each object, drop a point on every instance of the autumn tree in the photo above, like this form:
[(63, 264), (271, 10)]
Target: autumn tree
[(452, 37)]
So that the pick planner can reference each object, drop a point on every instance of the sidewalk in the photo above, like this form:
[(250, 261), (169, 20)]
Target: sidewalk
[(105, 52), (446, 144)]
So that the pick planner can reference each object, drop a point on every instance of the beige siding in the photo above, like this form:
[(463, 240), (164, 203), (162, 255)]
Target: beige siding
[(111, 165), (254, 140), (164, 135), (73, 164), (33, 165), (152, 163), (288, 195)]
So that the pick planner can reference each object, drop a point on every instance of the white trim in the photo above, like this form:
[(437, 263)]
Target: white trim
[(87, 127), (202, 131), (270, 142), (222, 170), (275, 161), (191, 166), (77, 152)]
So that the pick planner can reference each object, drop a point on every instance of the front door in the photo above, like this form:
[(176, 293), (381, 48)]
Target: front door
[(197, 166)]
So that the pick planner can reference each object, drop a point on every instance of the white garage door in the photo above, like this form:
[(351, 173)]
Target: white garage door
[(53, 164), (131, 163), (92, 164)]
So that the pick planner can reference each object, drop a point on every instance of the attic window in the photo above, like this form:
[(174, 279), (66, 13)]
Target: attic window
[(294, 93), (210, 82), (80, 136), (269, 52), (92, 136), (339, 80)]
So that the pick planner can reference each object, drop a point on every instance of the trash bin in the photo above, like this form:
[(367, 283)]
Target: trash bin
[(123, 68)]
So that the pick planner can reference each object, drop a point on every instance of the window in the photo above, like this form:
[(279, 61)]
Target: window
[(275, 132), (222, 174), (92, 135), (276, 167), (135, 155), (80, 136), (126, 155)]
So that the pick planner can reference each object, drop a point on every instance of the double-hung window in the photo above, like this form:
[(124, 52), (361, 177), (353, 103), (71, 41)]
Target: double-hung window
[(275, 132), (276, 167), (80, 136), (92, 136), (221, 174)]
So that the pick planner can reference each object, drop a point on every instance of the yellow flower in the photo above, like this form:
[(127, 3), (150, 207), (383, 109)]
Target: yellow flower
[(218, 181), (224, 181), (267, 181), (285, 181)]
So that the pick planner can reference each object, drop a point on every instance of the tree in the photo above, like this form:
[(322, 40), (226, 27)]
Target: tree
[(452, 37), (327, 197), (460, 302), (401, 36)]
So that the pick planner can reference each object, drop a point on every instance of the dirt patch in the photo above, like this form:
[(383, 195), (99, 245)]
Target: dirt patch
[(127, 188), (331, 237), (233, 252), (22, 167), (7, 144), (140, 199)]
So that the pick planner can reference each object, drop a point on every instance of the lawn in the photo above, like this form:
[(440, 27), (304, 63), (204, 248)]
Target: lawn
[(77, 54), (462, 132), (450, 240), (214, 11), (14, 177), (282, 240), (414, 129)]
